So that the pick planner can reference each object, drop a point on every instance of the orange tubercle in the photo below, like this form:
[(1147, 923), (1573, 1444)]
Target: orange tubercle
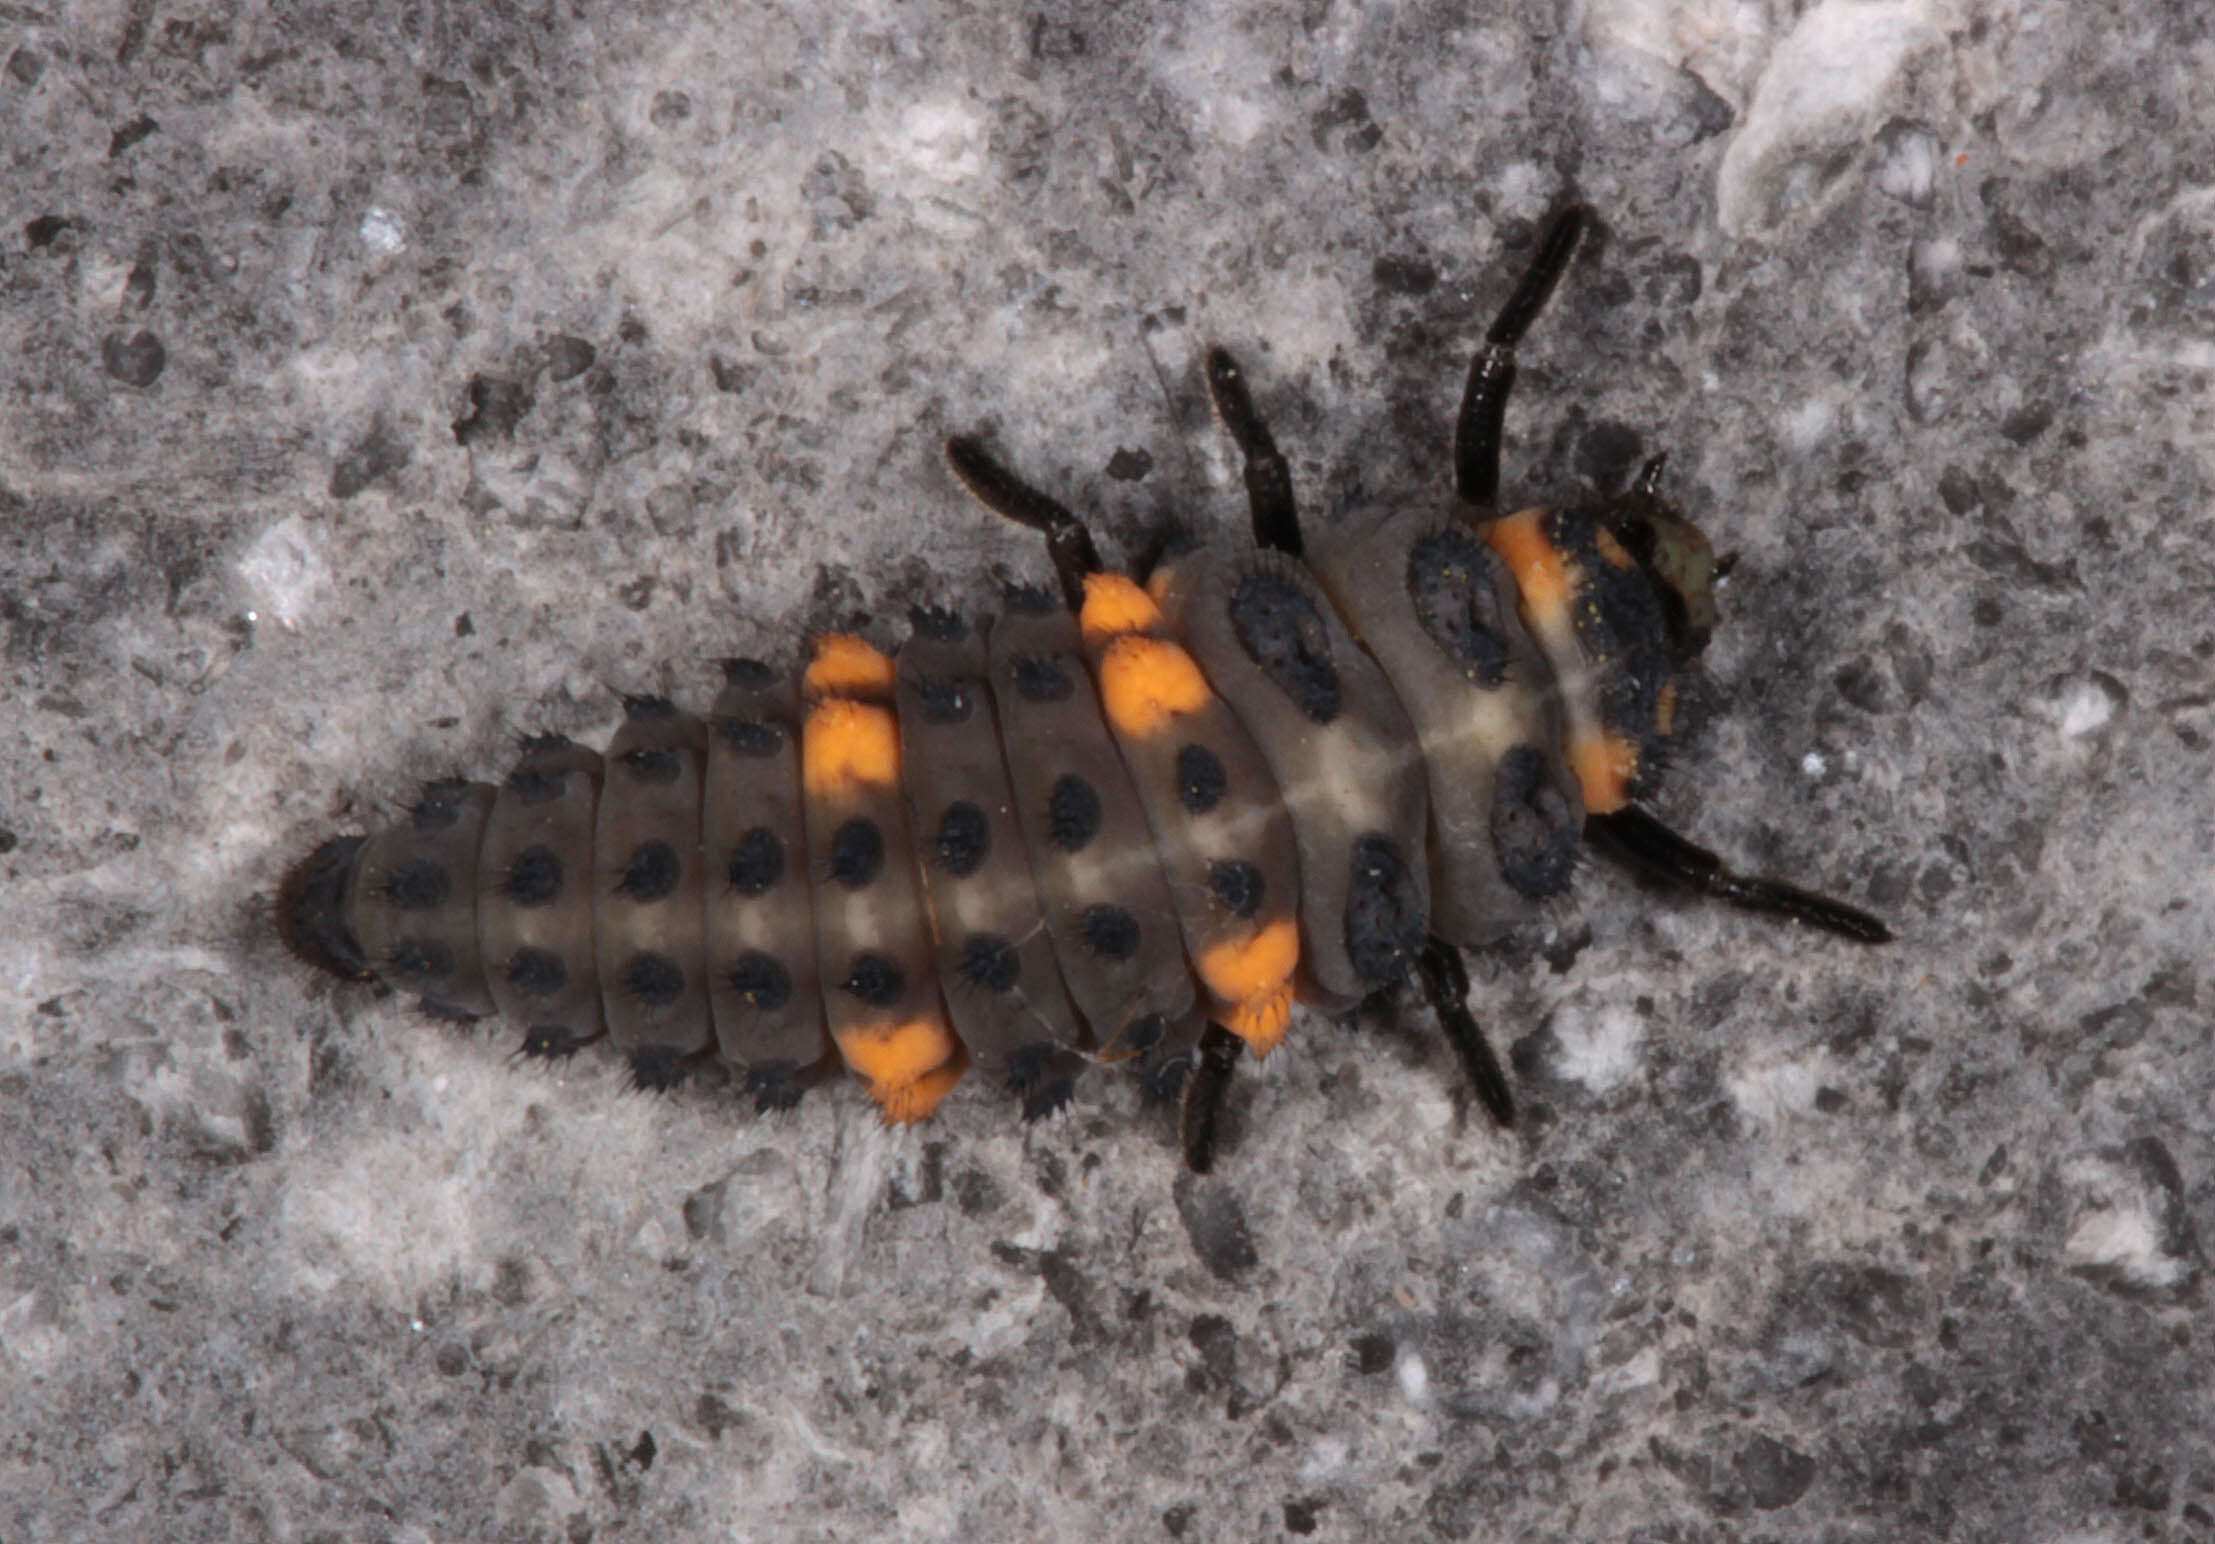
[(1146, 682), (1542, 574), (844, 743), (1253, 976), (920, 1099), (847, 666), (1114, 603), (909, 1066), (1604, 765)]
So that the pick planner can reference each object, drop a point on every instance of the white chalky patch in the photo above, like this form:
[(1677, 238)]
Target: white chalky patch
[(383, 232), (285, 569), (2124, 1239), (1816, 101), (1599, 1048)]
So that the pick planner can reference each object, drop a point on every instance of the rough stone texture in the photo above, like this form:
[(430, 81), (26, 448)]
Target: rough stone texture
[(386, 381)]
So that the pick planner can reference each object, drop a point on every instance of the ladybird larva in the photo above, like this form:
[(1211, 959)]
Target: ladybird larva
[(1132, 825)]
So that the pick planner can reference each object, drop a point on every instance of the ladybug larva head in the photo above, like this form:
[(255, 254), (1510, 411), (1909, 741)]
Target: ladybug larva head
[(1676, 558)]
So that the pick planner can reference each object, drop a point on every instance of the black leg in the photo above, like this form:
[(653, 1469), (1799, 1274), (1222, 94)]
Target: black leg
[(1203, 1095), (1268, 479), (1008, 496), (1446, 984), (1492, 374), (1644, 845)]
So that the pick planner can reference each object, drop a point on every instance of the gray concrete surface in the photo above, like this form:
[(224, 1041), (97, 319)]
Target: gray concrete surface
[(382, 382)]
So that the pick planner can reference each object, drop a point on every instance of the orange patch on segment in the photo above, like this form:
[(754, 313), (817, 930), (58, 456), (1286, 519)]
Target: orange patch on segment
[(1113, 603), (909, 1066), (1254, 976), (847, 666), (844, 743), (1146, 682), (1665, 710), (1542, 574), (896, 1054), (1605, 765), (917, 1101)]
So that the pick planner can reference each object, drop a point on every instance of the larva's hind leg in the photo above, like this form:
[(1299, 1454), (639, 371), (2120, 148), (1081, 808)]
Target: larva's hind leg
[(1011, 498), (1634, 838), (1446, 984), (1492, 373), (1276, 513), (1204, 1091)]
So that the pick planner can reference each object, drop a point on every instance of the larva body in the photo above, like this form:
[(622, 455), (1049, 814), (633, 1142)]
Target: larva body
[(1128, 825)]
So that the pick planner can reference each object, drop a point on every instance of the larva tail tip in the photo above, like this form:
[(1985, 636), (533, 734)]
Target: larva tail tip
[(311, 911)]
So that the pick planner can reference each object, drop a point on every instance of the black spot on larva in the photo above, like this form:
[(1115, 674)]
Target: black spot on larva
[(1143, 1034), (945, 701), (656, 1069), (749, 673), (857, 852), (937, 622), (1040, 679), (440, 805), (1110, 931), (1237, 885), (1201, 780), (1534, 826), (875, 980), (422, 957), (761, 982), (651, 873), (534, 879), (1282, 632), (653, 764), (1072, 813), (1450, 584), (749, 737), (990, 961), (545, 744), (757, 862), (420, 884), (535, 787), (537, 972), (654, 979), (1028, 600), (964, 839), (649, 707), (1386, 921)]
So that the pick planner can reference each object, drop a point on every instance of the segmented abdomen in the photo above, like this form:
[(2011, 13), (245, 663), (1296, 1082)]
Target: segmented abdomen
[(1055, 838)]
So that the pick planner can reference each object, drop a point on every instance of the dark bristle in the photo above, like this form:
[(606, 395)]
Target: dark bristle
[(939, 623), (657, 1069), (1049, 1098), (311, 911)]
